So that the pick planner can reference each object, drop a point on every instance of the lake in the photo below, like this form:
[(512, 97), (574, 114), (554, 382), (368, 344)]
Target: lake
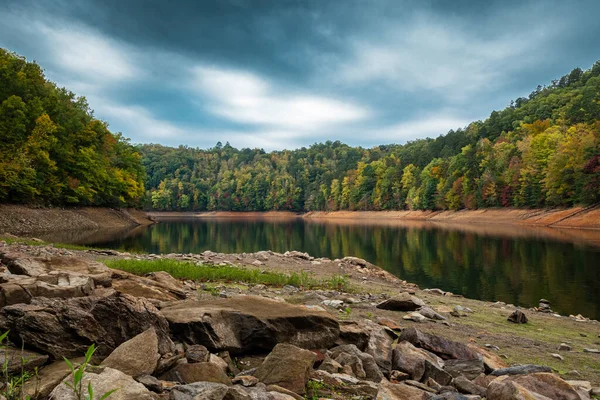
[(518, 265)]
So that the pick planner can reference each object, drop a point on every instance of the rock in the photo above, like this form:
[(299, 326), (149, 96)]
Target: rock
[(398, 376), (401, 391), (333, 303), (150, 382), (156, 286), (56, 284), (199, 372), (402, 302), (249, 323), (355, 333), (454, 396), (502, 389), (466, 386), (420, 385), (545, 384), (415, 316), (350, 355), (245, 380), (331, 366), (444, 348), (197, 353), (387, 322), (564, 347), (518, 317), (23, 264), (15, 359), (491, 360), (407, 358), (594, 351), (280, 390), (355, 261), (48, 378), (558, 356), (521, 370), (199, 390), (287, 366), (379, 346), (105, 381), (68, 327), (429, 313), (437, 374), (218, 361), (137, 356), (471, 369)]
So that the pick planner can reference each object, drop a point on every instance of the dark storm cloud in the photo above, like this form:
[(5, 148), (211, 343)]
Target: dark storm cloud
[(286, 73)]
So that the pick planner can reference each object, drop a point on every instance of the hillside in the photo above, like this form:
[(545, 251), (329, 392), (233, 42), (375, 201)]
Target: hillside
[(52, 149), (541, 151)]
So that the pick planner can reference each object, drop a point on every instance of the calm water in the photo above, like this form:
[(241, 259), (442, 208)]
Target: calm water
[(515, 266)]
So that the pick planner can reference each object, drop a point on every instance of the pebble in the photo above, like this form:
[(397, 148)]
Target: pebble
[(557, 356), (564, 347), (593, 351)]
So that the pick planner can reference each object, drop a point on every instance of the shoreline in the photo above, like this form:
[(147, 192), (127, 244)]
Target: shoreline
[(572, 218)]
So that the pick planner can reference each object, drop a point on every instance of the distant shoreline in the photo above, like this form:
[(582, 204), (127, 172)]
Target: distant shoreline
[(575, 218)]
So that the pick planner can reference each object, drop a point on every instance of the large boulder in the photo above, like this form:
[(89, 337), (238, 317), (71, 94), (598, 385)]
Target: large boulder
[(248, 323), (158, 286), (66, 328), (137, 356), (402, 302), (287, 366), (411, 360), (446, 349), (103, 382)]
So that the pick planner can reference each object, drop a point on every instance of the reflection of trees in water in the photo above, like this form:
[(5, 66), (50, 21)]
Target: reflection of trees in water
[(519, 270)]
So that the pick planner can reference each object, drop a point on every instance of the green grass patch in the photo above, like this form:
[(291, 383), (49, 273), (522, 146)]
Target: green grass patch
[(205, 273)]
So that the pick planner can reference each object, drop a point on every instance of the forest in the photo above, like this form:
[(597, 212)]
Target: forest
[(52, 149), (540, 151)]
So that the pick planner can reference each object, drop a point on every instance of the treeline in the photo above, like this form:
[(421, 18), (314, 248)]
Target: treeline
[(53, 151), (541, 151)]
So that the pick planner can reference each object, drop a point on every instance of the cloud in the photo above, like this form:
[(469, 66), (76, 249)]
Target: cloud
[(441, 55), (431, 125), (246, 98)]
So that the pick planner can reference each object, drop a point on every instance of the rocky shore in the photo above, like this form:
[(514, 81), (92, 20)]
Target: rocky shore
[(158, 337)]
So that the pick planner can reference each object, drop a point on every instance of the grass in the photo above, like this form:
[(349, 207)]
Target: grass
[(210, 273)]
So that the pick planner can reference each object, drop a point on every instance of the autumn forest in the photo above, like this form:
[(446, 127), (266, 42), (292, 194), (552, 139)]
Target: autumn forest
[(541, 151)]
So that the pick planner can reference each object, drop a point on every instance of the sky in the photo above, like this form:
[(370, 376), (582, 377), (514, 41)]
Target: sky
[(282, 74)]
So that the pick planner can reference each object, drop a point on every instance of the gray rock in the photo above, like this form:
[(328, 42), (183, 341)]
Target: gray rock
[(199, 390), (247, 323), (367, 362), (197, 353), (471, 369), (105, 381), (431, 314), (137, 356), (437, 374), (411, 360), (467, 387), (287, 366), (402, 302), (446, 349), (521, 370), (518, 317), (67, 327)]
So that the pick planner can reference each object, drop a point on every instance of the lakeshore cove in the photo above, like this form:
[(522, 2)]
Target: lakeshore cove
[(518, 260)]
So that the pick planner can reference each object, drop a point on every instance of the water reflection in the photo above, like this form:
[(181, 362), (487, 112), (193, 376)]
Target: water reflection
[(512, 264)]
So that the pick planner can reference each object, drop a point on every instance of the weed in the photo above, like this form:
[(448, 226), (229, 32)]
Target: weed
[(77, 375), (13, 383)]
